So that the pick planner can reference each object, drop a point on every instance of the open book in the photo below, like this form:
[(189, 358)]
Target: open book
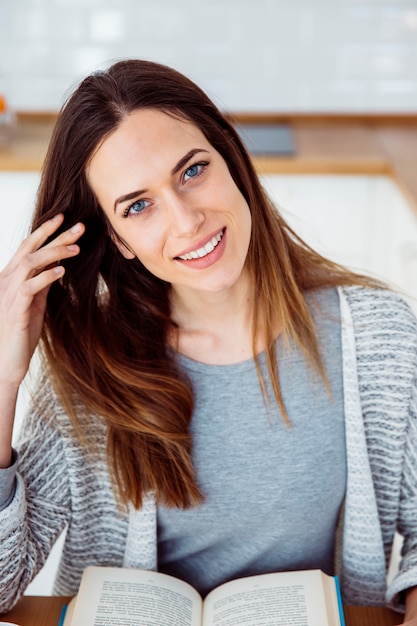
[(111, 596)]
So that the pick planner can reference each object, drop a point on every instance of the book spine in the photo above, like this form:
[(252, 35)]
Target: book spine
[(339, 601), (62, 616)]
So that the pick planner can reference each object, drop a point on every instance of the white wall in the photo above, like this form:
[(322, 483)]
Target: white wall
[(263, 55)]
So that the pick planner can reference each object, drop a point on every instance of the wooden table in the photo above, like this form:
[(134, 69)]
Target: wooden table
[(45, 611), (36, 611)]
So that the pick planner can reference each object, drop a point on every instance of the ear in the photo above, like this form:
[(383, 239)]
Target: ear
[(122, 247)]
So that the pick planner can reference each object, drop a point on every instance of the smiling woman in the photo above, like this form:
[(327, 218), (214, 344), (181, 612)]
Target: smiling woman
[(197, 356), (184, 204)]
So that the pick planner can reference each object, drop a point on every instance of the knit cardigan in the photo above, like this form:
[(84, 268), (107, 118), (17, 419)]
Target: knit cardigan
[(62, 484)]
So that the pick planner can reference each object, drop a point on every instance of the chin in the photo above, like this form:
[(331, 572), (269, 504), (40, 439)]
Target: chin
[(220, 285)]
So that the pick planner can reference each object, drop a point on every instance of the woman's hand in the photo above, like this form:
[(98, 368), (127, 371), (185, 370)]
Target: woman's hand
[(24, 286)]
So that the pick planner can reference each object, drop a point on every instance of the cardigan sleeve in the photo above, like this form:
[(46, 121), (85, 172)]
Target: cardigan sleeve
[(407, 520), (38, 512), (385, 330)]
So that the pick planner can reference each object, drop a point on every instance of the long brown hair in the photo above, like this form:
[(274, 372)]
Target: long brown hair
[(108, 320)]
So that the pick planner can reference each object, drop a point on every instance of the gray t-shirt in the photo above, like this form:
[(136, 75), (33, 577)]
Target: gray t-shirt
[(7, 482), (272, 492)]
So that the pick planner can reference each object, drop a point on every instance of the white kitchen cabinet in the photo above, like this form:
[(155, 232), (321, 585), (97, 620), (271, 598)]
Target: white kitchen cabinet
[(360, 221)]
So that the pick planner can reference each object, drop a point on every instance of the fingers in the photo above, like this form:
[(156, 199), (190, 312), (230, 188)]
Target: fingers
[(34, 267), (68, 236), (33, 255), (40, 282), (24, 286), (40, 260), (36, 239)]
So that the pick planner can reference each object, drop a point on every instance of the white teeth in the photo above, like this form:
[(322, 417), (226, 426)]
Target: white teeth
[(202, 252)]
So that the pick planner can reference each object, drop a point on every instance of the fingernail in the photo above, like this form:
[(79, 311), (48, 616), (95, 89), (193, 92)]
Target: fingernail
[(73, 248), (76, 229), (59, 270), (56, 217)]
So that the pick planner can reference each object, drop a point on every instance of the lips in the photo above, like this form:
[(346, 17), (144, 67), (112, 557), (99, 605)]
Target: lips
[(203, 251)]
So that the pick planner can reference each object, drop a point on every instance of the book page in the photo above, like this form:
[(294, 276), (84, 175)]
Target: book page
[(282, 599), (111, 596)]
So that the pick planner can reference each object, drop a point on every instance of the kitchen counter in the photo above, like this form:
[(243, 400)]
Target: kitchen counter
[(30, 137), (324, 144), (352, 145)]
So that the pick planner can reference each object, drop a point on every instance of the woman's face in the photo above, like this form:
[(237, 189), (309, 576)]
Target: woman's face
[(169, 196)]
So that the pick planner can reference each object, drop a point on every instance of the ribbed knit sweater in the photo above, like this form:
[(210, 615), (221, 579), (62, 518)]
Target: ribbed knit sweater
[(64, 485)]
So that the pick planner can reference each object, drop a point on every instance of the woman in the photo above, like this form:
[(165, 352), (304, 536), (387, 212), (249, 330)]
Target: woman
[(201, 400)]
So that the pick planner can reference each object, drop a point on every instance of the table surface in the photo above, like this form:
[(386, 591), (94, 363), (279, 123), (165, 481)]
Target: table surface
[(45, 611)]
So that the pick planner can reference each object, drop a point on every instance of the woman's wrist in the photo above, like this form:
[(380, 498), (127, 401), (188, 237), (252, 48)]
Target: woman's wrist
[(6, 456), (8, 400)]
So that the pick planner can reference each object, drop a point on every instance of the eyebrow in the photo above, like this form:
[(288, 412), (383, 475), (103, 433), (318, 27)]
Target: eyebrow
[(183, 161)]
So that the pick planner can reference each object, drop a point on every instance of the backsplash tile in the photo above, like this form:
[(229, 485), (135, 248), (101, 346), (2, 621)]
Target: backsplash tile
[(263, 55), (107, 26)]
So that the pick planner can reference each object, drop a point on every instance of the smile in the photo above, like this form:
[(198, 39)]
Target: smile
[(205, 250)]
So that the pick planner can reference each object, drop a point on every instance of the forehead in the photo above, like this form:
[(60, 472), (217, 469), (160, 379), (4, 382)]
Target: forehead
[(145, 139), (152, 131)]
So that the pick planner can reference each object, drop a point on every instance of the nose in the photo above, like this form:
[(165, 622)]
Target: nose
[(184, 217)]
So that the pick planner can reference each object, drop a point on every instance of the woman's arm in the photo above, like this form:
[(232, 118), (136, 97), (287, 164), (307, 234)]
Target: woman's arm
[(37, 510), (24, 286), (40, 507)]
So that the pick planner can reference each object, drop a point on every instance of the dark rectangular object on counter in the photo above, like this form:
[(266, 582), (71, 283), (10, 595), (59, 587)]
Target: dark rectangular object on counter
[(267, 139)]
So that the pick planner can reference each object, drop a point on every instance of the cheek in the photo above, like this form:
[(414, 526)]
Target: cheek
[(147, 245), (245, 213), (123, 247), (237, 199), (119, 239)]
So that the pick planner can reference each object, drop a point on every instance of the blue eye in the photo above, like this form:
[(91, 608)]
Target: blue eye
[(194, 170), (136, 208)]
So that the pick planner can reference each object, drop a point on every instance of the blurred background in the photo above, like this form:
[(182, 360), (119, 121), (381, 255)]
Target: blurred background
[(336, 78), (263, 55)]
